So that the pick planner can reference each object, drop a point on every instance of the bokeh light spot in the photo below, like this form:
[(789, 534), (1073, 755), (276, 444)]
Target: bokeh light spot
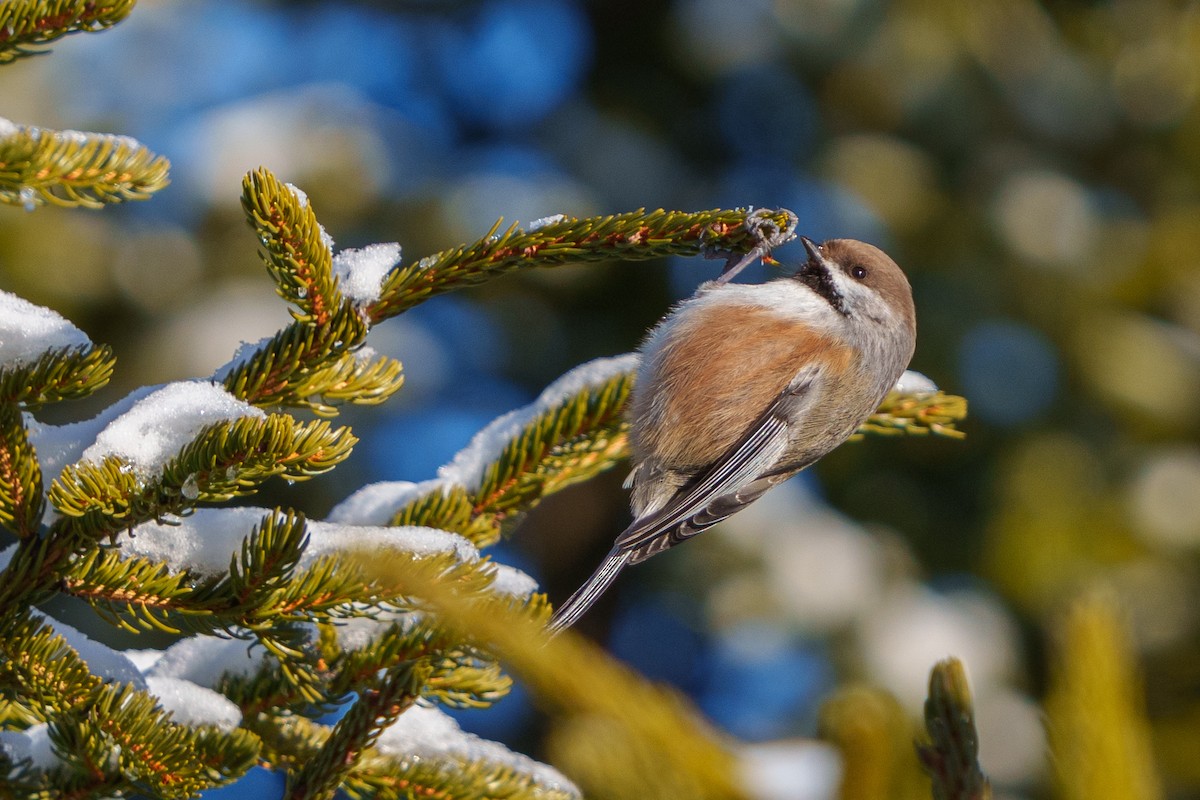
[(895, 179), (1141, 364), (1165, 497), (1046, 218), (1009, 372), (515, 62), (763, 683)]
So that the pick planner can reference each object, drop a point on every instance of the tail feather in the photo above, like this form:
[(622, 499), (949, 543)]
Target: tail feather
[(577, 604)]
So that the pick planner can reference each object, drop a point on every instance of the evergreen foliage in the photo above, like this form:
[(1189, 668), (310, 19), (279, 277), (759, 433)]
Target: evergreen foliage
[(952, 755), (25, 24), (74, 168), (389, 629), (58, 375), (267, 597), (67, 168)]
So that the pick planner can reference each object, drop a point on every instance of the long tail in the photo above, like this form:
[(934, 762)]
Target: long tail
[(574, 607)]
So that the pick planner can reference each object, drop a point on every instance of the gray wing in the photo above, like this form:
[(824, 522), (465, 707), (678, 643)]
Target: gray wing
[(731, 483)]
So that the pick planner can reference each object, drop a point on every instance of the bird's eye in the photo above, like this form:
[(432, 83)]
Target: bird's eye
[(858, 272)]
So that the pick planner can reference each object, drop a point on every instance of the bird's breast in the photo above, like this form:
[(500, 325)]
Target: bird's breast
[(709, 372)]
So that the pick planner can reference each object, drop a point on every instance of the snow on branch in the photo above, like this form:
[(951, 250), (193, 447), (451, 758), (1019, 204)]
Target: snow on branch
[(74, 168), (44, 358)]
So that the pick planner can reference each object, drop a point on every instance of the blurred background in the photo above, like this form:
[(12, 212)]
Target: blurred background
[(1035, 168)]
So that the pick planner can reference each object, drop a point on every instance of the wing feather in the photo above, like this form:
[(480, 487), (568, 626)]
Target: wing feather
[(735, 480)]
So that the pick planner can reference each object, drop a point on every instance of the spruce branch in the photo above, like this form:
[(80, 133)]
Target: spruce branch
[(303, 674), (32, 570), (460, 676), (450, 508), (225, 755), (296, 250), (269, 691), (361, 378), (25, 24), (377, 707), (16, 714), (62, 374), (269, 556), (263, 586), (38, 666), (226, 460), (21, 499), (951, 757), (299, 667), (457, 664), (465, 679), (75, 168), (296, 680), (263, 596), (292, 742), (634, 236), (133, 593), (577, 438), (155, 755), (917, 414), (23, 781), (422, 659), (114, 737), (402, 641), (292, 678), (579, 682), (315, 363), (422, 777), (301, 361), (77, 775)]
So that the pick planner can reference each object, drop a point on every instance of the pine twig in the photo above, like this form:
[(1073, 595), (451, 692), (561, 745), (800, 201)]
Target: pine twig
[(917, 415), (377, 707), (580, 436), (630, 237), (25, 24), (75, 168), (21, 498), (952, 755), (112, 737), (226, 460), (580, 682), (60, 374), (291, 742), (295, 249)]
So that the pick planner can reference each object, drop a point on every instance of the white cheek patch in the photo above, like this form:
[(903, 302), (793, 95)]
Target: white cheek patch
[(866, 301)]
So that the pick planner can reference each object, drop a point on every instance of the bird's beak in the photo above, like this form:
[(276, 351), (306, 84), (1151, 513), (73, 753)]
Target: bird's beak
[(817, 266), (814, 252)]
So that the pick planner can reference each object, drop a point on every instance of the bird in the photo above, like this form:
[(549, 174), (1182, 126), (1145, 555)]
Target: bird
[(742, 386)]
